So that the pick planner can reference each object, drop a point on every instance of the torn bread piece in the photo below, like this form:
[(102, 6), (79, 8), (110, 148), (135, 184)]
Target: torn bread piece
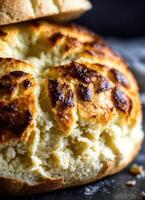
[(70, 110)]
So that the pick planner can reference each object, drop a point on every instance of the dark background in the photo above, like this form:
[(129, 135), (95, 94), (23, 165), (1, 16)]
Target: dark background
[(120, 18)]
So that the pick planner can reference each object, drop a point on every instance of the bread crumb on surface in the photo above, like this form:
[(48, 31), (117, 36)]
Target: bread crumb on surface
[(131, 183), (143, 195), (137, 170)]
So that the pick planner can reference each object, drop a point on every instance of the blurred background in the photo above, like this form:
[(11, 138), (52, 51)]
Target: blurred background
[(121, 18)]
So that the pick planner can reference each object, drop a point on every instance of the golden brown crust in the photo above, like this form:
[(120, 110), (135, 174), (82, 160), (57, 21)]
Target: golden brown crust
[(67, 16), (62, 103), (15, 187), (17, 11), (17, 101), (91, 90)]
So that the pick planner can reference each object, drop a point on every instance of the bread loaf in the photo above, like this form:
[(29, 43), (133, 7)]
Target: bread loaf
[(70, 111), (23, 10)]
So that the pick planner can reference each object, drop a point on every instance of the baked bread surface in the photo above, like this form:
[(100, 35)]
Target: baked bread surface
[(70, 111), (23, 10)]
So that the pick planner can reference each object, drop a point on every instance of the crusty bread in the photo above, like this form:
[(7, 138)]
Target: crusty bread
[(23, 10), (70, 111)]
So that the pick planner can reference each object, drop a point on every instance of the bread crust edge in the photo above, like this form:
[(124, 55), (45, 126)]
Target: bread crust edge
[(17, 188), (24, 11)]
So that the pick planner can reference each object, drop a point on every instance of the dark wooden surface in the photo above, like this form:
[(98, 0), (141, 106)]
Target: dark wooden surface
[(110, 188)]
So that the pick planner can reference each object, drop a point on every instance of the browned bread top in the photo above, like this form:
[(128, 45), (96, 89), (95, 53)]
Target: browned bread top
[(23, 10), (17, 100)]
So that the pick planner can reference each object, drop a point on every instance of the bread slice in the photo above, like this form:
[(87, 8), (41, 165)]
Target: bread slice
[(70, 111), (23, 10)]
